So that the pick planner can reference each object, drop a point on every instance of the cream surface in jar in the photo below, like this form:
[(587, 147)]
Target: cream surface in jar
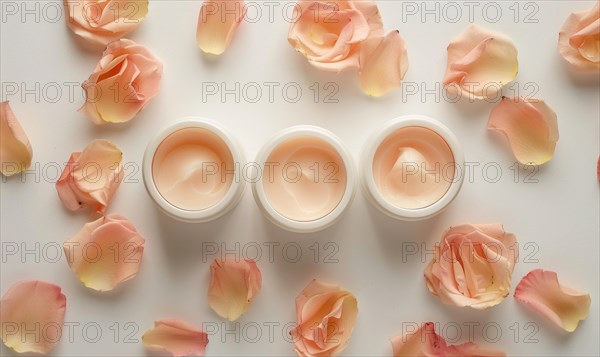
[(413, 167), (305, 178), (190, 168)]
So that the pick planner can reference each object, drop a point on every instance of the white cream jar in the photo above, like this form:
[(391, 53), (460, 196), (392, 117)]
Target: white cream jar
[(411, 168), (191, 170), (306, 179)]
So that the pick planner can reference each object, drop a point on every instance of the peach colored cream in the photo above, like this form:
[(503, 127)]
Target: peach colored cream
[(304, 178), (192, 168), (413, 167)]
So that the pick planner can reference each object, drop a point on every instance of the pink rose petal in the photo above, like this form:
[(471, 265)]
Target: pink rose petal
[(32, 314), (579, 40), (480, 63), (91, 177), (15, 149), (234, 285), (106, 252), (176, 338), (598, 169), (425, 342), (542, 292), (325, 315), (101, 22), (217, 23), (383, 63), (530, 126)]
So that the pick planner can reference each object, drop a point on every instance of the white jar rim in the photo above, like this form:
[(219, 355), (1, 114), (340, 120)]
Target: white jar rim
[(235, 191), (330, 218), (368, 182)]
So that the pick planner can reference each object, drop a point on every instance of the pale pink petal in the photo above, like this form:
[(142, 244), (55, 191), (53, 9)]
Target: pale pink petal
[(598, 169), (124, 81), (425, 342), (471, 349), (564, 306), (217, 23), (530, 126), (91, 177), (325, 315), (36, 306), (234, 285), (579, 40), (480, 63), (105, 252), (383, 63), (176, 338), (15, 149)]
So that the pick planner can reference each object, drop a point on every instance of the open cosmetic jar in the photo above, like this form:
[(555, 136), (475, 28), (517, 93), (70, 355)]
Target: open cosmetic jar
[(305, 179), (411, 168), (191, 170)]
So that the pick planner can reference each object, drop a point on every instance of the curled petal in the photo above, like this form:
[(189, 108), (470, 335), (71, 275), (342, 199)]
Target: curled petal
[(91, 177), (32, 314), (564, 306), (530, 126), (102, 22), (383, 63), (234, 285), (325, 315), (15, 149), (598, 169), (105, 253), (480, 63), (425, 342), (217, 22), (579, 40), (176, 338)]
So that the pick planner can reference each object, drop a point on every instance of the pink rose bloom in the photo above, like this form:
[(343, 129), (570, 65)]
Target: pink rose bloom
[(123, 82), (473, 266), (104, 21), (329, 33), (579, 40), (326, 315)]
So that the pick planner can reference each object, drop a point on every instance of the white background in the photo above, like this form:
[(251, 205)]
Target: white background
[(555, 219)]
